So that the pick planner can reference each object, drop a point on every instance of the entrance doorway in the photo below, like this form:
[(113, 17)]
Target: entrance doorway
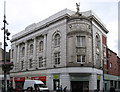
[(79, 86), (56, 83)]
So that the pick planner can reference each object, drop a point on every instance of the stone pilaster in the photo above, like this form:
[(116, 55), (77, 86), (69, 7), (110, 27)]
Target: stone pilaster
[(93, 82), (18, 57), (44, 50), (25, 59), (34, 53)]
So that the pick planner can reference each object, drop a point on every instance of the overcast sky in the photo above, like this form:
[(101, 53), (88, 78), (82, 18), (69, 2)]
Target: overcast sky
[(21, 13)]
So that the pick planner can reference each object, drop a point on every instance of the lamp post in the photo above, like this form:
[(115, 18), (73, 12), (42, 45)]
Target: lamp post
[(6, 34)]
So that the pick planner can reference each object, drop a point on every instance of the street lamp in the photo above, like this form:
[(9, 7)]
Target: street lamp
[(5, 65)]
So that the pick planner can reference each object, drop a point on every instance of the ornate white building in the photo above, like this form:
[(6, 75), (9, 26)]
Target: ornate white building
[(65, 49)]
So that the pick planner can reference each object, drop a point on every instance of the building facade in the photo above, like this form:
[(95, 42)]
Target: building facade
[(111, 71), (64, 49)]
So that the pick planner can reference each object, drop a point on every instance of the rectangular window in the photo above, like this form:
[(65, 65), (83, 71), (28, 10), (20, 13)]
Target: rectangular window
[(57, 57), (40, 62), (110, 65), (104, 50), (22, 63), (30, 63), (81, 58), (81, 41)]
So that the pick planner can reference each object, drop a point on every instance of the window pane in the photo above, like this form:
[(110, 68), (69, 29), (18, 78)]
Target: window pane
[(83, 58), (81, 41), (78, 58), (40, 62), (57, 58)]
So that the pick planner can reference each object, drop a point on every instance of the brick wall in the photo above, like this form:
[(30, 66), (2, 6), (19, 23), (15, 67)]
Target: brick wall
[(113, 63)]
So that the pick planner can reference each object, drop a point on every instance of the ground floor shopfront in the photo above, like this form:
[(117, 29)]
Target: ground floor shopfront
[(111, 81), (17, 79), (77, 79)]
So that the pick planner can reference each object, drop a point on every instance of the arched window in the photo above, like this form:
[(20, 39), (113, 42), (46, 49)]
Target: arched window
[(97, 44), (31, 49), (23, 51), (41, 46), (97, 41), (57, 40)]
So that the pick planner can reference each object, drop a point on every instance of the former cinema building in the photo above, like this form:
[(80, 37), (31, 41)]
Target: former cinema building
[(65, 49)]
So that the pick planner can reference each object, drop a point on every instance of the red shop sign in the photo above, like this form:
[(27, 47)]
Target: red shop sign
[(42, 78), (19, 78)]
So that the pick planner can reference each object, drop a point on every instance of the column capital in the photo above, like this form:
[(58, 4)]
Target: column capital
[(25, 41)]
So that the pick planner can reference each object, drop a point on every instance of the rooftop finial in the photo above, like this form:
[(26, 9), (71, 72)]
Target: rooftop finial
[(78, 7)]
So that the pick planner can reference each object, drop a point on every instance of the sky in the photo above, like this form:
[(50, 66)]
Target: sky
[(22, 13)]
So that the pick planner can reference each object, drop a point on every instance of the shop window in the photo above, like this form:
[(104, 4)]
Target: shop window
[(80, 41), (57, 57), (111, 83)]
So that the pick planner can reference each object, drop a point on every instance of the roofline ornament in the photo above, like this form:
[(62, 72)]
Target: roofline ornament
[(78, 7)]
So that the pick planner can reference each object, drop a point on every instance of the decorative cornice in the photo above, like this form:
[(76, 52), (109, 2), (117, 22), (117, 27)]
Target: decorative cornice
[(47, 24), (93, 18)]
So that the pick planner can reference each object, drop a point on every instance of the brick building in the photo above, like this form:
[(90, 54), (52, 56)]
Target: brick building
[(64, 49), (112, 71)]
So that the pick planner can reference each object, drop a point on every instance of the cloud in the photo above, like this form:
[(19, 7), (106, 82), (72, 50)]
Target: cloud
[(21, 13), (113, 36)]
